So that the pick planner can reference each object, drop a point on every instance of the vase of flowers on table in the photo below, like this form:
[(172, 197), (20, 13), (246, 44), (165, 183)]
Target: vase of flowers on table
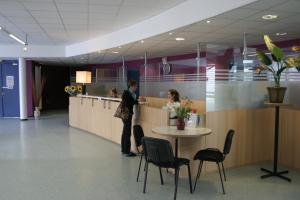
[(182, 113), (73, 90)]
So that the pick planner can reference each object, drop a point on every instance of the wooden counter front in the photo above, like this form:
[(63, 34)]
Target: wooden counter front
[(252, 143)]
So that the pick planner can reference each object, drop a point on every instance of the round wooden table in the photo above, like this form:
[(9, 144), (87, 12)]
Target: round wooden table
[(186, 133)]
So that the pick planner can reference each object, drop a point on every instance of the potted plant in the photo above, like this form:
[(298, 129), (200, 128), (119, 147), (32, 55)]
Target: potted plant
[(276, 64), (37, 95), (182, 113)]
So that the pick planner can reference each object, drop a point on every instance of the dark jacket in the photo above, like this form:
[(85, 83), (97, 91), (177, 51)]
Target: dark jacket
[(128, 100)]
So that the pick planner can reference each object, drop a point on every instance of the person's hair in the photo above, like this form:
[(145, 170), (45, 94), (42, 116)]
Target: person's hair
[(132, 83), (114, 91), (175, 94)]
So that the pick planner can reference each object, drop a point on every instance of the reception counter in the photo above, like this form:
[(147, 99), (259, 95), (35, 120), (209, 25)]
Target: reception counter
[(252, 143), (95, 115)]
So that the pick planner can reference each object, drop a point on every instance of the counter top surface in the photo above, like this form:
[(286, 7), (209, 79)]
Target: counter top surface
[(106, 98), (187, 132)]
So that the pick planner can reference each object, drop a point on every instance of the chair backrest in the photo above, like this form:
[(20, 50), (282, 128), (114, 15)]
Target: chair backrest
[(138, 134), (158, 151), (228, 142)]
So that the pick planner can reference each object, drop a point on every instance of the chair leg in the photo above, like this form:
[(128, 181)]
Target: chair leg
[(145, 166), (221, 177), (176, 182), (198, 174), (190, 178), (146, 173), (161, 177), (138, 175), (224, 172)]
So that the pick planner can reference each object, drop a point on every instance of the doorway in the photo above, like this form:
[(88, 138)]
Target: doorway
[(9, 101)]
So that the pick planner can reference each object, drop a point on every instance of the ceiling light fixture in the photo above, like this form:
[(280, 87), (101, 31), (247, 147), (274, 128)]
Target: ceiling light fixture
[(25, 48), (179, 39), (170, 33), (0, 28), (120, 47), (142, 41), (16, 38), (269, 17), (208, 21), (281, 34), (115, 52)]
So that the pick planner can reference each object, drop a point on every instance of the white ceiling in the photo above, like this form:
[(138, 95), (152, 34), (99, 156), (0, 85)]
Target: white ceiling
[(62, 22), (224, 31)]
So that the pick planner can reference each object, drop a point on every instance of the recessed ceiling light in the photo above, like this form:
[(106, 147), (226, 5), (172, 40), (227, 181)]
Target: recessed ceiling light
[(115, 52), (268, 17), (281, 34), (179, 39), (120, 47), (0, 28), (208, 21), (142, 41), (170, 33)]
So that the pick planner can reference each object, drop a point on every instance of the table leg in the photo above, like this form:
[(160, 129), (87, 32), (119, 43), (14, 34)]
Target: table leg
[(176, 147)]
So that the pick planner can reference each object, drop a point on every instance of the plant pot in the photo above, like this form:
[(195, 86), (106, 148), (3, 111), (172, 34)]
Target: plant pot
[(276, 94), (37, 113), (180, 124)]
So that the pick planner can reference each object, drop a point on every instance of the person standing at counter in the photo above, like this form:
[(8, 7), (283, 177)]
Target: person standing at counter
[(113, 93), (129, 99)]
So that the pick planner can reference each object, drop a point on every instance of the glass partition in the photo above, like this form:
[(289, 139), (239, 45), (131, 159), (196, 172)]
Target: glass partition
[(223, 76)]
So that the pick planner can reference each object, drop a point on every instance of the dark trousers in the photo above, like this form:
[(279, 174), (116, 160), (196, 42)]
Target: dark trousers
[(126, 134)]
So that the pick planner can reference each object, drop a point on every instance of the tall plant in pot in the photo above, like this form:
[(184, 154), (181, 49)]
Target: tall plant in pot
[(276, 64), (182, 113), (37, 93)]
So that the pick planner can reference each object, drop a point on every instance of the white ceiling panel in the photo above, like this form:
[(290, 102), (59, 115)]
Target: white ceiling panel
[(240, 13), (67, 21), (38, 6)]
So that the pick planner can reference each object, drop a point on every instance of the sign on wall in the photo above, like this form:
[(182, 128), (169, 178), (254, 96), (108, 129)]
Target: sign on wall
[(10, 81)]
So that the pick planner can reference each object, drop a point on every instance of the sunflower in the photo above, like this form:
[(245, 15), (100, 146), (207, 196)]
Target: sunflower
[(67, 88), (79, 88), (73, 89)]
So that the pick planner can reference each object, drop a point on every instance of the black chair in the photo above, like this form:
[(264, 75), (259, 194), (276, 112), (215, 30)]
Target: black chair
[(160, 153), (138, 134), (214, 155)]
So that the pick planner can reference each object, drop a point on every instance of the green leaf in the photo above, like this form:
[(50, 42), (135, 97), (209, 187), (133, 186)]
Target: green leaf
[(277, 54), (263, 58), (280, 71)]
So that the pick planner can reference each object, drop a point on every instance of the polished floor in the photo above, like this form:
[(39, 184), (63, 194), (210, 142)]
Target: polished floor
[(45, 159)]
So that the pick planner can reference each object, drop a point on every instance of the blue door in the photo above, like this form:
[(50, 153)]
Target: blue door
[(10, 89)]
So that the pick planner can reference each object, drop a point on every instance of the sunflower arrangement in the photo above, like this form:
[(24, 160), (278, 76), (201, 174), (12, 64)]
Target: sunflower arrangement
[(73, 90)]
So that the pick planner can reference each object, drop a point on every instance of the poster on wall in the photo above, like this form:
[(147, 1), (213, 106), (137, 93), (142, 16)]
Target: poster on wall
[(10, 81)]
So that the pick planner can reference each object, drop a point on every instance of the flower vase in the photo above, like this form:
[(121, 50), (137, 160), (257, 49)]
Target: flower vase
[(180, 124), (37, 113)]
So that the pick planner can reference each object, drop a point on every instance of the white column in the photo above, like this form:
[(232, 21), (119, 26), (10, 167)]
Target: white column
[(22, 89)]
